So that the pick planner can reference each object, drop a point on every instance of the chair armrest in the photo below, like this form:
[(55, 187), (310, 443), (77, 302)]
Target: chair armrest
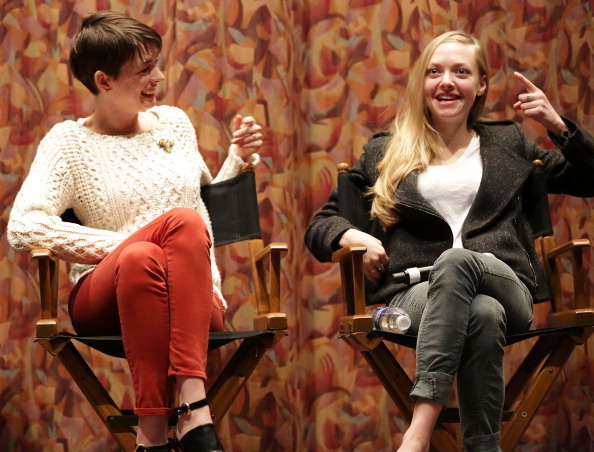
[(577, 317), (271, 321), (572, 245), (551, 253), (348, 252), (267, 289), (48, 266), (272, 249), (355, 330), (352, 277), (41, 252), (362, 323)]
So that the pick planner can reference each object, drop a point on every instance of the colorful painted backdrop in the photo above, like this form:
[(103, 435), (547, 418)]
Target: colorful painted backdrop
[(321, 76)]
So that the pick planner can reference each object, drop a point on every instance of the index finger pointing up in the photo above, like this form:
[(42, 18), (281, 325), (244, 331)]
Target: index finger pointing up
[(236, 124), (523, 82)]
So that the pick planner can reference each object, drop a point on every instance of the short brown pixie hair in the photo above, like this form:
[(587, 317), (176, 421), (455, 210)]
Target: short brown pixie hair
[(105, 42)]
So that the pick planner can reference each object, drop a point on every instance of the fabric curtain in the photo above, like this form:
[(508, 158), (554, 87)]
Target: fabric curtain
[(321, 76)]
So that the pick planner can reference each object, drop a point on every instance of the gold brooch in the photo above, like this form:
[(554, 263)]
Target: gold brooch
[(166, 144)]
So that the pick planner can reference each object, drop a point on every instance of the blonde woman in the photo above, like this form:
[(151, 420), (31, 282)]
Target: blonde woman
[(447, 192)]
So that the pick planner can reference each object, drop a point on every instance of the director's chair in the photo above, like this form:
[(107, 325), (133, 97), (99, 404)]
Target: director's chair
[(233, 209), (535, 376)]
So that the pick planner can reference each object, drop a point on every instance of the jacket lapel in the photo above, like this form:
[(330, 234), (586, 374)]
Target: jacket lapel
[(504, 174), (408, 194)]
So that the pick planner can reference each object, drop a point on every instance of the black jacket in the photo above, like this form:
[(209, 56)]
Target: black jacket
[(496, 222)]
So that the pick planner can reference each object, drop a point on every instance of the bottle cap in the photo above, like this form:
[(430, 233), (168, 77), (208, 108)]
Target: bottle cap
[(403, 322)]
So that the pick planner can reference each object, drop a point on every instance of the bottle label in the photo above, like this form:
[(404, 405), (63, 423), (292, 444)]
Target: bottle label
[(377, 318)]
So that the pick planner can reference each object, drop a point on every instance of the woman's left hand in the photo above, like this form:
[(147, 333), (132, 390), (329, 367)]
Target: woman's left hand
[(247, 136), (535, 105)]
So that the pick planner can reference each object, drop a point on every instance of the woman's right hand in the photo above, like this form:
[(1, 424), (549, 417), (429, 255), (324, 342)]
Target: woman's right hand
[(247, 136), (534, 103), (375, 259)]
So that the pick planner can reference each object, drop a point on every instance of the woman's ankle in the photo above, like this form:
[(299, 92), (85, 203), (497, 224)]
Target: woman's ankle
[(152, 430), (191, 390), (187, 422), (414, 442)]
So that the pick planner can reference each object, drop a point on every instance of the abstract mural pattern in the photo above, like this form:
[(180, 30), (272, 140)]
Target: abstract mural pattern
[(321, 76)]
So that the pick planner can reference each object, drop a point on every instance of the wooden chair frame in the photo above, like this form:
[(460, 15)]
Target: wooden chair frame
[(530, 383)]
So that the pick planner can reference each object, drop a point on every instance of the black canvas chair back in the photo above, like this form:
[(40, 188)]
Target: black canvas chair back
[(532, 381), (536, 202), (232, 206), (233, 210), (354, 203)]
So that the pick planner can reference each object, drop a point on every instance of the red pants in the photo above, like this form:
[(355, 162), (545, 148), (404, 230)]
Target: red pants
[(156, 290)]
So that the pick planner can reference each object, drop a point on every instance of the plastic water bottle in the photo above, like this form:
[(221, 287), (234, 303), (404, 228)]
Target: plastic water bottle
[(390, 318)]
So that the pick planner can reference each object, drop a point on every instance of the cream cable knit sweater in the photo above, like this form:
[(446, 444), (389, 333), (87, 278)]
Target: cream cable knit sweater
[(116, 185)]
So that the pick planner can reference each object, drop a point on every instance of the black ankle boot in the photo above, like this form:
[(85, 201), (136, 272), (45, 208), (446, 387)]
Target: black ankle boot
[(200, 439), (169, 447)]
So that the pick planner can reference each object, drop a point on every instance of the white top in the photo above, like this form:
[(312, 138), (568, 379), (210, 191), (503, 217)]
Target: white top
[(451, 189), (116, 185)]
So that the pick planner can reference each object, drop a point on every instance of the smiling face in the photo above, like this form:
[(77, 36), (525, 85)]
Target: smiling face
[(452, 84), (135, 87)]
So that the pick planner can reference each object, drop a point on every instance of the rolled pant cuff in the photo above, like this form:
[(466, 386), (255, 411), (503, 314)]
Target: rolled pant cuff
[(433, 386), (484, 443), (186, 373), (153, 411)]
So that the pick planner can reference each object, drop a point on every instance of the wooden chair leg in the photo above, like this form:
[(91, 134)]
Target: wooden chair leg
[(393, 378), (528, 368), (96, 394), (398, 385), (234, 376), (538, 390)]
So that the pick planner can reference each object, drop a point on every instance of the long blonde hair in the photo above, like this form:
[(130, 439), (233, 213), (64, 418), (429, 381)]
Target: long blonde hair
[(414, 139)]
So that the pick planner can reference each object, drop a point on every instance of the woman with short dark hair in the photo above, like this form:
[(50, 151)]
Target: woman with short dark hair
[(144, 262)]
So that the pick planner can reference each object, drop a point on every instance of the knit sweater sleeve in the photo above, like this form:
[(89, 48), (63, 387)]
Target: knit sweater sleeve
[(233, 164), (47, 191)]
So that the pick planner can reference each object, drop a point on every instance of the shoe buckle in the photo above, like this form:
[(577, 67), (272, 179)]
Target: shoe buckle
[(185, 409)]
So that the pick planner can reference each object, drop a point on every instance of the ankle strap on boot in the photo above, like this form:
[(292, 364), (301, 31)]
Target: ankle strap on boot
[(186, 408)]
